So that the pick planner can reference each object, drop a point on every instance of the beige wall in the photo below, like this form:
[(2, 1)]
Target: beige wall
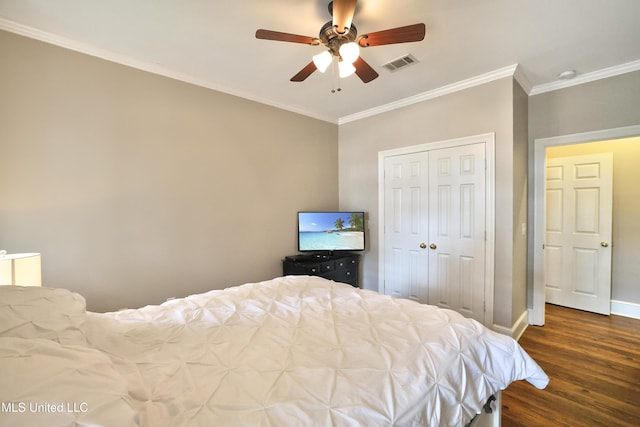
[(482, 109), (604, 104), (625, 271), (136, 187), (520, 159)]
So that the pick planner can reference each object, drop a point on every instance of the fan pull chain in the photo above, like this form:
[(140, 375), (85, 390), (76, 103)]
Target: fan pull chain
[(335, 77)]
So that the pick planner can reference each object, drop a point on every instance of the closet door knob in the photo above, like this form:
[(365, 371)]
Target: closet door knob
[(604, 244), (423, 245), (433, 246)]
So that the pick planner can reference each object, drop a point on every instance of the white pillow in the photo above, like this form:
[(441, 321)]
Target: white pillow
[(37, 312), (43, 383)]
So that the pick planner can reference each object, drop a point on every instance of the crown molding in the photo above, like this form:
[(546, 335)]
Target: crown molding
[(88, 49), (64, 42), (522, 79), (424, 96), (512, 70), (587, 77)]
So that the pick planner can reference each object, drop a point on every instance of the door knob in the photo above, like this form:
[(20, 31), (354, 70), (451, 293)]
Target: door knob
[(433, 246), (604, 244), (423, 245)]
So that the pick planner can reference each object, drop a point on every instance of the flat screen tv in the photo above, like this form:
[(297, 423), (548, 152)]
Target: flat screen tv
[(330, 231)]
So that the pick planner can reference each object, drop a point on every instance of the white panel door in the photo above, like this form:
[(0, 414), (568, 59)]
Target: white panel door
[(577, 250), (406, 222), (457, 230)]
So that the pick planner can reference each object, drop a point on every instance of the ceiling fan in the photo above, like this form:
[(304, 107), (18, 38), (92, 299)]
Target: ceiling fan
[(341, 39)]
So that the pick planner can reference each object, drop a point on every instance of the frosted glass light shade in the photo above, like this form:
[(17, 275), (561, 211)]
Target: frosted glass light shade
[(349, 52), (345, 69), (322, 61), (21, 270)]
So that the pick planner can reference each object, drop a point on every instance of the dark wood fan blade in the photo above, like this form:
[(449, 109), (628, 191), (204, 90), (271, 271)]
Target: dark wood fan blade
[(304, 73), (364, 70), (286, 37), (410, 33), (343, 11)]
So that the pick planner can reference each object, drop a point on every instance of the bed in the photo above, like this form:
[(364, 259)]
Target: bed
[(292, 351)]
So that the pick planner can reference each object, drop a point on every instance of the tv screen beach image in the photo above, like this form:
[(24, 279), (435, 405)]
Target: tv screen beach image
[(331, 231)]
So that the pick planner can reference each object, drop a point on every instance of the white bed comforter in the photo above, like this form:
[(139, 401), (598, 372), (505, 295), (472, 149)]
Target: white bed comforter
[(303, 351)]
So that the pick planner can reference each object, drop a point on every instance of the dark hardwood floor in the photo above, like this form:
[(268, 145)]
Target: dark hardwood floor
[(593, 363)]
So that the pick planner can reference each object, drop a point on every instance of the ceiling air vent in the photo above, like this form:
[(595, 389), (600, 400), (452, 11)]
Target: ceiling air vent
[(396, 64)]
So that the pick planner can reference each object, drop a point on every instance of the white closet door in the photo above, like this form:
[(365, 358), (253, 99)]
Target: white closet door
[(434, 232), (406, 221), (457, 233)]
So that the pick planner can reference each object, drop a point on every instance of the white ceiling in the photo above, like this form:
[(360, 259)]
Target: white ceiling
[(212, 43)]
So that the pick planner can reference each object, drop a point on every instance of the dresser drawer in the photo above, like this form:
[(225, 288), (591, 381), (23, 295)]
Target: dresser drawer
[(341, 268), (327, 266), (311, 269), (344, 263)]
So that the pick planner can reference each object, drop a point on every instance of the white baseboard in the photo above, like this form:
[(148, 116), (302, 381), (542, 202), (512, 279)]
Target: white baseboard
[(517, 329), (521, 325), (626, 309)]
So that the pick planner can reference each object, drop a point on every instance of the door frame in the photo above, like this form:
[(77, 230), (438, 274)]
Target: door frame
[(489, 140), (539, 159)]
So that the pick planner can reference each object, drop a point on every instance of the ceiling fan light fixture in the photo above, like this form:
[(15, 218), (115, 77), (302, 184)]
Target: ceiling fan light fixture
[(344, 45), (345, 69), (349, 52), (322, 61)]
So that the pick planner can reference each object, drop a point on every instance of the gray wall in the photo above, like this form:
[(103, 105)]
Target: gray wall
[(136, 187), (520, 160), (604, 104), (481, 109)]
